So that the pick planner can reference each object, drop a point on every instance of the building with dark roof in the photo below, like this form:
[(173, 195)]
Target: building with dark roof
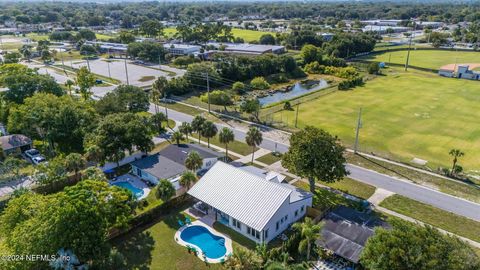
[(346, 231), (169, 163), (16, 143)]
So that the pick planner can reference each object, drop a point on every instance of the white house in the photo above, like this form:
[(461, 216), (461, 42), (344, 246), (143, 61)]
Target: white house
[(260, 208), (181, 49), (169, 163)]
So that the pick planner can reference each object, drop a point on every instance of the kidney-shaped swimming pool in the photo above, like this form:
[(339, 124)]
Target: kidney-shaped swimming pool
[(212, 245)]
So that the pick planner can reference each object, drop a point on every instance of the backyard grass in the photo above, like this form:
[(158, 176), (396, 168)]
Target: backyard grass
[(352, 187), (247, 35), (405, 115), (269, 158), (154, 247), (432, 59), (152, 202), (436, 217), (466, 190)]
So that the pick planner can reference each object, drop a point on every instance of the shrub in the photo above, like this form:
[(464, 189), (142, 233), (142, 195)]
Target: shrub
[(217, 97), (342, 72), (347, 84), (314, 68), (239, 88), (259, 83), (373, 68), (278, 78)]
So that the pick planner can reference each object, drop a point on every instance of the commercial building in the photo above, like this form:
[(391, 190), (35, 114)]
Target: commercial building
[(181, 49)]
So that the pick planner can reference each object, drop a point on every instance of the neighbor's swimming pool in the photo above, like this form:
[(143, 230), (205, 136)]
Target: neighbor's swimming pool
[(136, 191), (213, 246)]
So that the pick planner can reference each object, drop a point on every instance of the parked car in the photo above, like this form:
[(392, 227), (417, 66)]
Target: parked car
[(38, 159), (32, 153)]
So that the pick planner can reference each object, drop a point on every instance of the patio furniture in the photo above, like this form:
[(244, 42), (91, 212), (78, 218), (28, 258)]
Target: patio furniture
[(188, 221), (180, 223)]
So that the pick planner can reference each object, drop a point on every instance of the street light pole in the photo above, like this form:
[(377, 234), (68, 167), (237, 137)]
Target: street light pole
[(126, 70), (208, 92), (359, 126), (296, 116)]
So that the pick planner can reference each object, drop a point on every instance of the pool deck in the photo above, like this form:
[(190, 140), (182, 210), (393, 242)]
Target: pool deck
[(228, 241), (134, 181)]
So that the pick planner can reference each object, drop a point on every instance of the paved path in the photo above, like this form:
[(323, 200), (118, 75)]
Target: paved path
[(408, 189), (379, 195)]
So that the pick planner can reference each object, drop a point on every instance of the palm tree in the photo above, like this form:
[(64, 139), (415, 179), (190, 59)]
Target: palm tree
[(177, 136), (455, 153), (253, 139), (26, 51), (157, 119), (69, 84), (165, 190), (159, 91), (244, 259), (209, 130), (226, 136), (93, 153), (197, 125), (186, 129), (193, 161), (309, 232), (187, 179), (74, 162)]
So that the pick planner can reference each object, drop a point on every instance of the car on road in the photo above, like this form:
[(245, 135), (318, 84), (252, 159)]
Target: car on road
[(32, 153)]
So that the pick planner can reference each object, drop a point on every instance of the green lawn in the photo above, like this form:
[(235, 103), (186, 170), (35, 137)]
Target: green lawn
[(247, 35), (405, 115), (154, 247), (353, 187), (235, 146), (436, 217), (151, 202), (432, 59), (269, 158)]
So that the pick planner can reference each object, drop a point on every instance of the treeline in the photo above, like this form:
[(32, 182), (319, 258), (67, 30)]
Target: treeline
[(129, 14)]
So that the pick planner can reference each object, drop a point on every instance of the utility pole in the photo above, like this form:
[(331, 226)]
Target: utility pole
[(208, 92), (359, 126), (108, 64), (126, 70), (409, 46), (88, 64), (63, 64), (296, 115)]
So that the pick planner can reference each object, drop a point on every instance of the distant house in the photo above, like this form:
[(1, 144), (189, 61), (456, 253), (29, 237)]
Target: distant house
[(254, 206), (462, 71), (169, 163), (346, 231), (17, 143)]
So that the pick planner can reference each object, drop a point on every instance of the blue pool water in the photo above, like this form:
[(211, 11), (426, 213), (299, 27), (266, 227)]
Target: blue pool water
[(212, 245), (136, 191)]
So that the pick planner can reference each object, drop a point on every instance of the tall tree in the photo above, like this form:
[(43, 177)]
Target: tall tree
[(124, 98), (165, 190), (194, 161), (251, 106), (74, 162), (69, 84), (254, 138), (455, 153), (85, 81), (316, 155), (309, 232), (157, 119), (151, 28), (209, 130), (186, 129), (226, 136), (177, 136), (187, 179), (26, 51), (412, 246), (197, 125), (159, 88)]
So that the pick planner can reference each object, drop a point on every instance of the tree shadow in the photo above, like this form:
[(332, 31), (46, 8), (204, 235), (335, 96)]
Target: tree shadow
[(136, 249)]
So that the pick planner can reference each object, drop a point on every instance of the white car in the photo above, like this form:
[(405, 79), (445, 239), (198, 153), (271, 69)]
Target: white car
[(32, 153), (38, 159)]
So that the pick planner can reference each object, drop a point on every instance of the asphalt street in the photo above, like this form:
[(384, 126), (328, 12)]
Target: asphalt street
[(408, 189)]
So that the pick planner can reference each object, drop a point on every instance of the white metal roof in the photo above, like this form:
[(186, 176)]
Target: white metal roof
[(240, 194)]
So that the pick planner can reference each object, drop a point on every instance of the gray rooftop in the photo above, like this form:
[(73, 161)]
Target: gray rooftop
[(170, 161), (14, 141)]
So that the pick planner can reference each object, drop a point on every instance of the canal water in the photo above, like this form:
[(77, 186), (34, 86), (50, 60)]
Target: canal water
[(298, 89)]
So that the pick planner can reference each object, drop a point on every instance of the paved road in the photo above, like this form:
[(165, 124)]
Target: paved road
[(441, 200)]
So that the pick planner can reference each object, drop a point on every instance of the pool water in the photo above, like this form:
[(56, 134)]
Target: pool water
[(136, 191), (213, 246)]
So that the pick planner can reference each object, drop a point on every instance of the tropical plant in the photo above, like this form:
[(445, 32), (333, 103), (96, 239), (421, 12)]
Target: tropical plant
[(177, 136), (226, 136), (243, 259), (197, 125), (159, 91), (209, 130), (85, 81), (69, 83), (193, 161), (187, 179), (254, 138), (165, 190), (455, 153), (74, 162), (309, 232), (186, 129), (157, 119)]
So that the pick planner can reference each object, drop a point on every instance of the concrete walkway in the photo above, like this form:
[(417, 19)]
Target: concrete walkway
[(379, 195), (259, 153)]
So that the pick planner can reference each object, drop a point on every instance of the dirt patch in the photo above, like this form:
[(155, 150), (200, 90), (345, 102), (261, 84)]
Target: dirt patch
[(471, 66)]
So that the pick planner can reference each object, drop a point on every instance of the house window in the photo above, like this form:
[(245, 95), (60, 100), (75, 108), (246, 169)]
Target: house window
[(302, 209), (236, 223), (296, 212), (253, 232), (278, 225), (249, 230), (286, 218), (266, 234)]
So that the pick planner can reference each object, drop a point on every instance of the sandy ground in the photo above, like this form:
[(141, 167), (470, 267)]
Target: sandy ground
[(455, 66)]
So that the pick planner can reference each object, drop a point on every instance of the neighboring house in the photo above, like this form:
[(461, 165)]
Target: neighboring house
[(169, 163), (15, 144), (346, 231), (461, 72), (257, 208)]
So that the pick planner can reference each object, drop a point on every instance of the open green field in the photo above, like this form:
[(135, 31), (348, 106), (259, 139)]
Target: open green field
[(432, 59), (405, 115), (436, 217), (247, 35)]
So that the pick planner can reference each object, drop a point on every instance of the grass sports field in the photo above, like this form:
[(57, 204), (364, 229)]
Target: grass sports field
[(405, 115), (247, 35), (432, 59)]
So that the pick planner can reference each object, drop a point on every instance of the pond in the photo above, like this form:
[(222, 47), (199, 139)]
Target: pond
[(298, 89)]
